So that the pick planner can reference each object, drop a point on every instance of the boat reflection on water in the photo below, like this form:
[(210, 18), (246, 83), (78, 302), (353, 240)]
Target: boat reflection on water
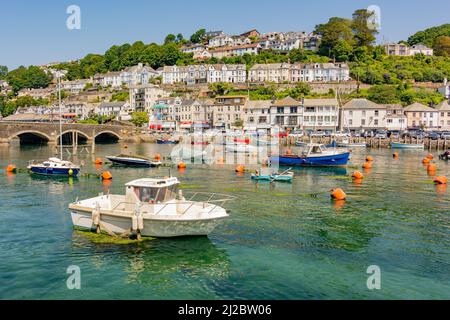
[(336, 171), (160, 260)]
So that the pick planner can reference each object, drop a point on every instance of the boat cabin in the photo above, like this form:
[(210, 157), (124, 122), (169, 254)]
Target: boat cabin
[(152, 190), (313, 149)]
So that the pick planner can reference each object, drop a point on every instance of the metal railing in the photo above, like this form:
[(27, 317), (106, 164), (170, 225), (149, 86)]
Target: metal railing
[(193, 200)]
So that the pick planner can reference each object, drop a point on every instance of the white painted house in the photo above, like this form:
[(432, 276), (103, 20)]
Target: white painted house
[(362, 114)]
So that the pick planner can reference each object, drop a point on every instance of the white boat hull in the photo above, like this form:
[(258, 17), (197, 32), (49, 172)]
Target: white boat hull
[(157, 228)]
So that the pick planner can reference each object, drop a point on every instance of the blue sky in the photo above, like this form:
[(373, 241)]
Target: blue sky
[(34, 32)]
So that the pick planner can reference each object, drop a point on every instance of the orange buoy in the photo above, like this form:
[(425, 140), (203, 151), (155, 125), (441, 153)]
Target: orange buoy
[(288, 152), (426, 161), (395, 155), (430, 156), (106, 175), (431, 167), (357, 175), (98, 161), (157, 157), (240, 169), (11, 168), (182, 165), (125, 146), (220, 160), (367, 165), (338, 194), (369, 159), (441, 180)]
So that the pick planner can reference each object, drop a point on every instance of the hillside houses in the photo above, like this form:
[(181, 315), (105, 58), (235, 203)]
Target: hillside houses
[(210, 73), (131, 76)]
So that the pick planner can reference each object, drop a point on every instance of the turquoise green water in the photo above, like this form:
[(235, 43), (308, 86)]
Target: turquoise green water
[(282, 241)]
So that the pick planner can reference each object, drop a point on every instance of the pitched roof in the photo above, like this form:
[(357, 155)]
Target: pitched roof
[(418, 107), (112, 104), (258, 104), (286, 102), (320, 102), (444, 106), (362, 104)]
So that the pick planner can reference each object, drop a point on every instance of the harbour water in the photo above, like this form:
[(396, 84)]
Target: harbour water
[(282, 241)]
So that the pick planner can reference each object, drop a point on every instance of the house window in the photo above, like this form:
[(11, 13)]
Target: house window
[(376, 122), (363, 121), (376, 113), (350, 122), (293, 109), (280, 110), (350, 113)]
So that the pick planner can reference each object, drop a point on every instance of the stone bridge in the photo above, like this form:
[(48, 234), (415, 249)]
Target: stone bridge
[(49, 132)]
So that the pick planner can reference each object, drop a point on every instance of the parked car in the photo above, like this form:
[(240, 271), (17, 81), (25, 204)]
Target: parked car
[(340, 134), (317, 134), (433, 135), (445, 135), (381, 134), (296, 134)]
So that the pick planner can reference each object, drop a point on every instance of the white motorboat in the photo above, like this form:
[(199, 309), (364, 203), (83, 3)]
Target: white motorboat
[(151, 207), (347, 144), (133, 160), (240, 148)]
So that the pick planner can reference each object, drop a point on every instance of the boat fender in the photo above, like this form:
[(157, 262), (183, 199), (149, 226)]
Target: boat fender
[(96, 217), (140, 222), (134, 223)]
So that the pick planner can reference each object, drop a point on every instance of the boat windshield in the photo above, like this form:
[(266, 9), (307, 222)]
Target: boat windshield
[(156, 195)]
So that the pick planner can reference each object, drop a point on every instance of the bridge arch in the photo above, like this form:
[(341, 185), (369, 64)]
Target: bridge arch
[(67, 136), (107, 136), (31, 137)]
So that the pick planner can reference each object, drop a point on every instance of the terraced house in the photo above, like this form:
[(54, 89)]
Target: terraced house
[(320, 114), (319, 72), (207, 73), (286, 114), (421, 116), (362, 114), (227, 111), (271, 72)]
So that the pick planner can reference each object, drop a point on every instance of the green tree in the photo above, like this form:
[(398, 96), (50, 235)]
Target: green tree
[(333, 33), (139, 118), (31, 77), (3, 72), (441, 46), (220, 88), (383, 94), (428, 36), (198, 36), (363, 32), (180, 38), (170, 38)]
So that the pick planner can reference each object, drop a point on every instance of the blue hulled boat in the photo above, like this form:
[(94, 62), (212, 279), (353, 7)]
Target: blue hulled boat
[(54, 167), (313, 155), (166, 141)]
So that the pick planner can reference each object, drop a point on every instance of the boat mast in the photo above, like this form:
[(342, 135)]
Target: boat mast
[(60, 114)]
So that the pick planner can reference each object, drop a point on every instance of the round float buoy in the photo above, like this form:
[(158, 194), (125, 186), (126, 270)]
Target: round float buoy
[(220, 161), (338, 194), (395, 155), (367, 165), (240, 169), (125, 146), (70, 172), (430, 156), (106, 175), (369, 159), (11, 168), (357, 175), (157, 157), (441, 180), (431, 167), (181, 165), (98, 161), (426, 161), (288, 152)]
